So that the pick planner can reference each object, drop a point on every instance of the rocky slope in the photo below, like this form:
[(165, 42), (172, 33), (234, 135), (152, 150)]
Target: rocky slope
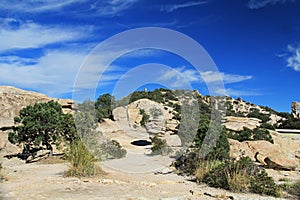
[(12, 100), (283, 155)]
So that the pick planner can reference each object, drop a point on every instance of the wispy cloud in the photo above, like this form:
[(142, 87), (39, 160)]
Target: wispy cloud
[(236, 93), (174, 7), (179, 74), (112, 7), (256, 4), (54, 73), (210, 76), (16, 34), (36, 6), (293, 60)]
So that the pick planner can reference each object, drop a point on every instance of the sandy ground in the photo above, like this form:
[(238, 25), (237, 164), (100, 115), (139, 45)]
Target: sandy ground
[(46, 181)]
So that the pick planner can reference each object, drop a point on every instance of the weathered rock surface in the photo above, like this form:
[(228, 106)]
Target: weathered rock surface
[(280, 155), (12, 100), (238, 123)]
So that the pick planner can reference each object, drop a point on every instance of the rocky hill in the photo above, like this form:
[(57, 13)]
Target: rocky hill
[(12, 100)]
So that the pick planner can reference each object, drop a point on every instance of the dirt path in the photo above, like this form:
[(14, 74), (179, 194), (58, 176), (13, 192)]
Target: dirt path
[(45, 181)]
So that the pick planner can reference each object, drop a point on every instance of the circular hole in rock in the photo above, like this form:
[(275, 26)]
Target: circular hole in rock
[(141, 143)]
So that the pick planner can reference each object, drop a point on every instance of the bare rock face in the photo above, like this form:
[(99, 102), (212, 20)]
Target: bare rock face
[(238, 123), (295, 109), (280, 155), (12, 100)]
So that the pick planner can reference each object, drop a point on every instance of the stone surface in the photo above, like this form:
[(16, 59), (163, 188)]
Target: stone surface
[(238, 123), (12, 100), (280, 155)]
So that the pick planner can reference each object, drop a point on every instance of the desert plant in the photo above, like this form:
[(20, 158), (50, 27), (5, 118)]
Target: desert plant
[(104, 106), (81, 160), (291, 188), (41, 126), (242, 175), (145, 117), (255, 113), (112, 149), (155, 112), (247, 135), (204, 167), (159, 146)]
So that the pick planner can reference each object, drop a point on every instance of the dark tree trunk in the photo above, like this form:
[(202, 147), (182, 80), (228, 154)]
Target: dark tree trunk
[(49, 147)]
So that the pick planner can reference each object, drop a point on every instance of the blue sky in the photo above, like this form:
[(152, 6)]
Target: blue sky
[(255, 45)]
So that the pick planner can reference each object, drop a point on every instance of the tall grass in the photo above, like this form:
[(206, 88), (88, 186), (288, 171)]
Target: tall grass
[(82, 162)]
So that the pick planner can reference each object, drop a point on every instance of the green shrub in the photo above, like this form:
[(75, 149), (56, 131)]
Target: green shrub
[(204, 167), (256, 114), (290, 122), (262, 134), (187, 163), (112, 149), (292, 188), (242, 176), (155, 112), (159, 146), (267, 126), (247, 135), (81, 160), (145, 118)]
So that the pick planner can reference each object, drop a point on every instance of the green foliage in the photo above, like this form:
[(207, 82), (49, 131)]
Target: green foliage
[(262, 134), (243, 176), (112, 149), (291, 188), (267, 126), (104, 106), (290, 122), (256, 114), (248, 135), (42, 125), (81, 160), (220, 150), (188, 162), (159, 146), (155, 112), (145, 118)]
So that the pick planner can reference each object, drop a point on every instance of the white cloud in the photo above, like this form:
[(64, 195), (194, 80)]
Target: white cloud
[(256, 4), (171, 8), (210, 76), (178, 75), (54, 73), (36, 5), (113, 7), (235, 93), (293, 60), (32, 35)]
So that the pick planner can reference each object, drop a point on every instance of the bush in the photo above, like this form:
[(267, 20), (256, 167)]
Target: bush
[(41, 126), (267, 126), (242, 176), (159, 146), (204, 167), (155, 112), (262, 134), (81, 160), (256, 114), (292, 188), (145, 118), (112, 149), (247, 135)]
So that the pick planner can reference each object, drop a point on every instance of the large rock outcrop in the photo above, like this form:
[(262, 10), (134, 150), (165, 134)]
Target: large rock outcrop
[(238, 123), (12, 100), (283, 154)]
